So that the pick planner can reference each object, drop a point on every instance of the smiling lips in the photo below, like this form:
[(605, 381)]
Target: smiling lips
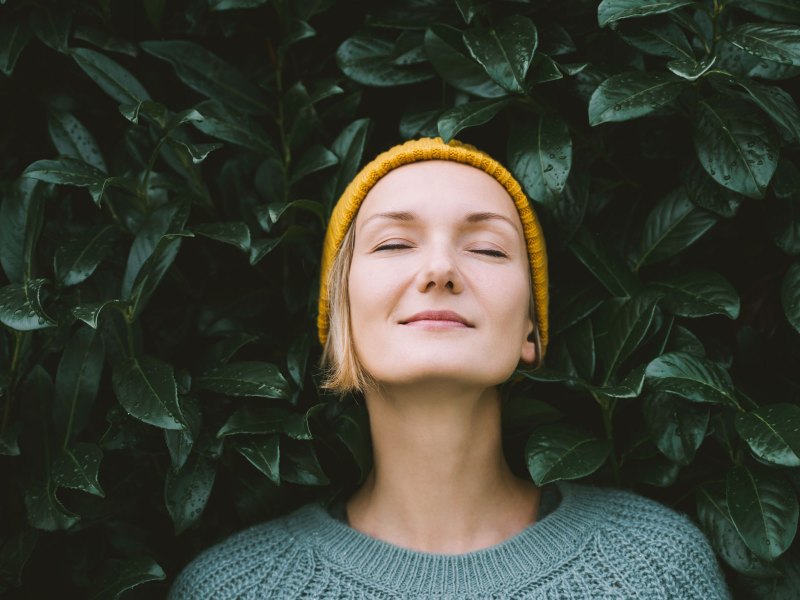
[(437, 319)]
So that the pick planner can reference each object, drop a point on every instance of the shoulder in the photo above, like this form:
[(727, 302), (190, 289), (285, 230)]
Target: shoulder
[(245, 562), (647, 538), (627, 510)]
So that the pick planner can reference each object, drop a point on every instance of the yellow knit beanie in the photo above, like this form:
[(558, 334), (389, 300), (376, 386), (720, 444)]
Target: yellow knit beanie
[(344, 213)]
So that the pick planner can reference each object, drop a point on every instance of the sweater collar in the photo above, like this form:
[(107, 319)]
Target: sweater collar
[(541, 546)]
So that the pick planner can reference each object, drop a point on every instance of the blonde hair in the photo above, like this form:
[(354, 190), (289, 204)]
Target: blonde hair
[(342, 371)]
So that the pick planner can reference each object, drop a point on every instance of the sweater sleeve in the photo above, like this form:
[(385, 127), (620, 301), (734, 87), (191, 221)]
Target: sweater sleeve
[(690, 566), (675, 555), (225, 571)]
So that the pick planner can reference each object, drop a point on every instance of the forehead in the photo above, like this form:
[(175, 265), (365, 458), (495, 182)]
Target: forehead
[(438, 186)]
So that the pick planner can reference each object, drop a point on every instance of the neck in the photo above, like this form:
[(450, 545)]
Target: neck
[(440, 482)]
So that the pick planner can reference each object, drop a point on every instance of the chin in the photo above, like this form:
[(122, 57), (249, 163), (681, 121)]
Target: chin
[(434, 372)]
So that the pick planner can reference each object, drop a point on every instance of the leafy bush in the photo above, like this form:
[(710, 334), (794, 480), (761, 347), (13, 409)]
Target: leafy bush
[(169, 168)]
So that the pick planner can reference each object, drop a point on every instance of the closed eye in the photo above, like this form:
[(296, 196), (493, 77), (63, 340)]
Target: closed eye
[(496, 253), (392, 247)]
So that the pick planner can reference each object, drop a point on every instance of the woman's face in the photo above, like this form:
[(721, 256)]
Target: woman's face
[(440, 236)]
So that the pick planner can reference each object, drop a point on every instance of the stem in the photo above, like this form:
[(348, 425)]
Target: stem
[(12, 384), (607, 406)]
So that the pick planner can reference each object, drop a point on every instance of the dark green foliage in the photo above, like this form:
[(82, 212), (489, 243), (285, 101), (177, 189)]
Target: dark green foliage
[(168, 169)]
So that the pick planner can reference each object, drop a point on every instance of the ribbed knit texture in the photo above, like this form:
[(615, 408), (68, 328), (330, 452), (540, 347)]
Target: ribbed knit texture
[(597, 543), (344, 213)]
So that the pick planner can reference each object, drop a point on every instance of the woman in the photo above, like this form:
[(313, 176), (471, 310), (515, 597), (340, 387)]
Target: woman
[(434, 290)]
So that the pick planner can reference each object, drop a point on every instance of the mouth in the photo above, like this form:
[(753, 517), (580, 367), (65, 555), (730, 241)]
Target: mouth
[(437, 319)]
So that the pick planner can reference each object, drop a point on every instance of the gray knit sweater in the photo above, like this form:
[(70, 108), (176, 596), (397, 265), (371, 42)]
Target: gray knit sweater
[(591, 543)]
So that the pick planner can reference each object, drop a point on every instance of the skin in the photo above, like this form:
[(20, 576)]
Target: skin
[(440, 482)]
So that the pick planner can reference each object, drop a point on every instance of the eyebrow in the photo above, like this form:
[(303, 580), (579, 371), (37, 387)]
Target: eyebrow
[(405, 216)]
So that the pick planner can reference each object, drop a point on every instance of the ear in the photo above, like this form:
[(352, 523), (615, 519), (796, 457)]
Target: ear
[(530, 349)]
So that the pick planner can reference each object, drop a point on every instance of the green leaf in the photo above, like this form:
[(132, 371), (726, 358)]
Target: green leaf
[(197, 152), (104, 40), (51, 25), (631, 95), (180, 442), (209, 75), (349, 148), (763, 507), (557, 452), (579, 342), (263, 452), (471, 114), (780, 43), (71, 138), (659, 39), (715, 519), (351, 428), (76, 260), (153, 270), (186, 492), (541, 157), (266, 419), (77, 468), (735, 145), (90, 313), (224, 350), (297, 358), (707, 193), (112, 78), (259, 379), (677, 427), (505, 50), (446, 51), (13, 39), (235, 4), (261, 248), (673, 225), (269, 214), (235, 233), (790, 295), (691, 377), (21, 215), (315, 159), (146, 389), (64, 170), (299, 464), (520, 412), (169, 218), (220, 123), (690, 69), (777, 103), (122, 575), (782, 587), (609, 270), (610, 11), (698, 293), (9, 442), (469, 9), (544, 69), (370, 60), (773, 433), (630, 387), (620, 325), (21, 306), (77, 382), (14, 555), (576, 305), (787, 11), (45, 510), (419, 123)]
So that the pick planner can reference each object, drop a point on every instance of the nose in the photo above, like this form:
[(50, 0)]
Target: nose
[(439, 270)]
